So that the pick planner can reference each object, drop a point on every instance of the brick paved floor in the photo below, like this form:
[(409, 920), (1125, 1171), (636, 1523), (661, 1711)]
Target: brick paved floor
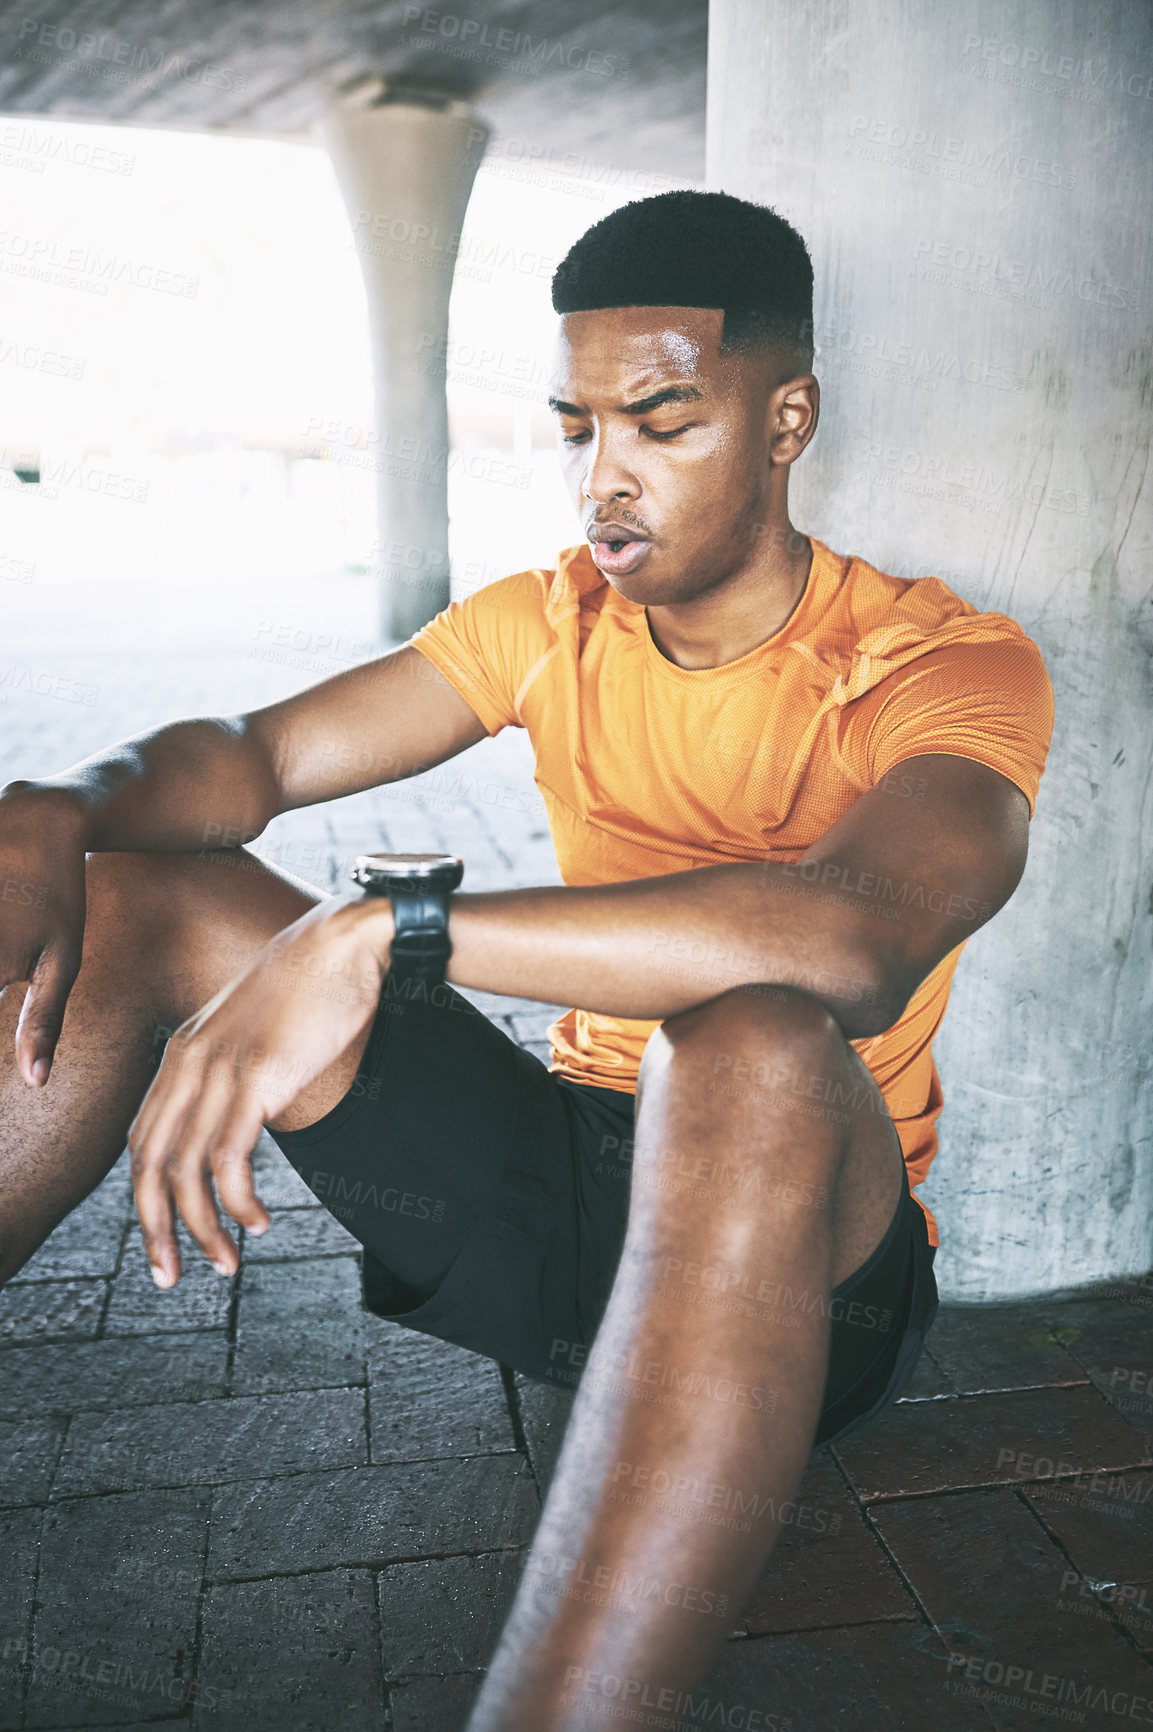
[(249, 1504)]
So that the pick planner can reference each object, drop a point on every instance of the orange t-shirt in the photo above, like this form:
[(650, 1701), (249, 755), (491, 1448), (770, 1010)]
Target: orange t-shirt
[(646, 767)]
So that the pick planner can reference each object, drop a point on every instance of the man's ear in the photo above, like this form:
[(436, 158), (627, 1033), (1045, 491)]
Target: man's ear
[(793, 411)]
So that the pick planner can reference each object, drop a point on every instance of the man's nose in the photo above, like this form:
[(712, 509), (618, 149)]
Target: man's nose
[(607, 477)]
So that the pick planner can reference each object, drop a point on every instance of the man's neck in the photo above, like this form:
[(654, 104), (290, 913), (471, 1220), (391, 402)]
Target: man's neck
[(733, 619)]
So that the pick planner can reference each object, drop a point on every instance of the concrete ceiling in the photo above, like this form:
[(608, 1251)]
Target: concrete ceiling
[(606, 82)]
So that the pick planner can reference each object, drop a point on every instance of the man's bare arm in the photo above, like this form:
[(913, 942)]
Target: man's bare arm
[(945, 859), (214, 781), (912, 869), (222, 779)]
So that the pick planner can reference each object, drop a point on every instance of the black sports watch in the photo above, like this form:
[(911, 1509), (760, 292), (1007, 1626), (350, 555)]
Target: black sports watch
[(419, 886)]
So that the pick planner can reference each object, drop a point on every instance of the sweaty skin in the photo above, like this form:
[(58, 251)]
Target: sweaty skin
[(678, 452)]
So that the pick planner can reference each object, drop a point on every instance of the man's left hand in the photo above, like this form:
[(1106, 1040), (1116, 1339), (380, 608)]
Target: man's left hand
[(237, 1063)]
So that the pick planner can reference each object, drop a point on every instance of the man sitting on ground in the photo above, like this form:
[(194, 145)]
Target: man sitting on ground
[(784, 788)]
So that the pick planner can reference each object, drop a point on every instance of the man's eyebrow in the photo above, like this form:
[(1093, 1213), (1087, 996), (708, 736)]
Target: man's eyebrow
[(642, 406), (670, 394)]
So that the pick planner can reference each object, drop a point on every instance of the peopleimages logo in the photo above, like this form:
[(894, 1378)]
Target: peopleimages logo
[(124, 56), (943, 152), (1030, 63), (103, 1677), (37, 255), (1048, 1685), (32, 148), (630, 1694), (478, 38), (621, 1586)]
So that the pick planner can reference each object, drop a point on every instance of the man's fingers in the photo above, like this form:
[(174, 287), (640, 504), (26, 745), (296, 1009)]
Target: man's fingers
[(154, 1207), (42, 1013), (196, 1205), (232, 1170), (200, 1115), (153, 1138), (189, 1169)]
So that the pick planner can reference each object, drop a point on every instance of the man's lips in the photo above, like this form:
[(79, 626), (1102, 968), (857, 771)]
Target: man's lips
[(616, 548)]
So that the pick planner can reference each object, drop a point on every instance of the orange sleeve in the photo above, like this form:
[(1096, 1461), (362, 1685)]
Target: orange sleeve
[(485, 644), (988, 701)]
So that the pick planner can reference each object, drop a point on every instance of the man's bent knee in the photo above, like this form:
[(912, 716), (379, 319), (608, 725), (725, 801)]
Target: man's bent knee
[(139, 892), (757, 1035)]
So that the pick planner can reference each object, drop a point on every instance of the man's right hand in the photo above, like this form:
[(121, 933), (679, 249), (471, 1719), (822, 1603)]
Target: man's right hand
[(42, 882), (174, 789)]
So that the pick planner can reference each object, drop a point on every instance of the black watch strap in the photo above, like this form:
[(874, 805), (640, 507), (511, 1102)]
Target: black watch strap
[(420, 945)]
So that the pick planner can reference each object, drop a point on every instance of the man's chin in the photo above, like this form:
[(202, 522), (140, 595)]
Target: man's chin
[(656, 586)]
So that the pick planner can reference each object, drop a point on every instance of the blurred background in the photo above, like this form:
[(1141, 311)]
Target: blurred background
[(186, 420)]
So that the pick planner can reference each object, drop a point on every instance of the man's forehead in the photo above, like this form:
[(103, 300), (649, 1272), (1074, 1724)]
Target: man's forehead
[(637, 345)]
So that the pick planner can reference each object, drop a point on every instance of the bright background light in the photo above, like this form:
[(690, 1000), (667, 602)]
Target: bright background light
[(181, 312)]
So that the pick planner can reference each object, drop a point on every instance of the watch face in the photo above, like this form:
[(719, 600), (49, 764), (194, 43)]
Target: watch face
[(397, 870)]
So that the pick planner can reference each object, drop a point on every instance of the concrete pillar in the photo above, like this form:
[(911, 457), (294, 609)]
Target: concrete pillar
[(973, 183), (406, 170)]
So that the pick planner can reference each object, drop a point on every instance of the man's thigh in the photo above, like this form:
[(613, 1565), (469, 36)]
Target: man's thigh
[(884, 1295)]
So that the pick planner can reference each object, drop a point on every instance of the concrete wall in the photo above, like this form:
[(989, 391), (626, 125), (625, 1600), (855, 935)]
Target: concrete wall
[(974, 181)]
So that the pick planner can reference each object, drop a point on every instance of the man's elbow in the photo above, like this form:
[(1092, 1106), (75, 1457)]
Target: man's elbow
[(879, 988)]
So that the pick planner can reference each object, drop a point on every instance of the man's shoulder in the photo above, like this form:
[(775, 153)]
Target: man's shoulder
[(893, 621), (875, 598)]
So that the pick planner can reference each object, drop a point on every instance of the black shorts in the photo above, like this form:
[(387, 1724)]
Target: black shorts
[(491, 1198)]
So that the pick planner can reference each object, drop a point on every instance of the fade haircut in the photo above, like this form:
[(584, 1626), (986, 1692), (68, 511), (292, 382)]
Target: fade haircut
[(698, 249)]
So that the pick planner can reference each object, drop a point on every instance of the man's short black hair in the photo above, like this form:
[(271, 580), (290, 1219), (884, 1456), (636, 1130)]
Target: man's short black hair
[(697, 249)]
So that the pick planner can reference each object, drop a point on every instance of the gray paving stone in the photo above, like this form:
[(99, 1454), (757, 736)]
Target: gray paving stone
[(992, 1582), (87, 1242), (299, 1326), (294, 1655), (428, 1398), (51, 1310), (200, 1299), (19, 1539), (208, 1442), (28, 1452), (372, 1517), (982, 1348), (278, 1184), (299, 1233), (411, 827), (531, 1022), (495, 1006), (117, 1595), (1113, 1340), (445, 1614), (867, 1678), (828, 1568), (1104, 1525), (94, 1375), (544, 1413), (433, 1704)]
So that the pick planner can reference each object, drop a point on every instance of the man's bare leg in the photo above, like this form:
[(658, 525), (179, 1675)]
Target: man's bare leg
[(621, 1601), (164, 933)]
